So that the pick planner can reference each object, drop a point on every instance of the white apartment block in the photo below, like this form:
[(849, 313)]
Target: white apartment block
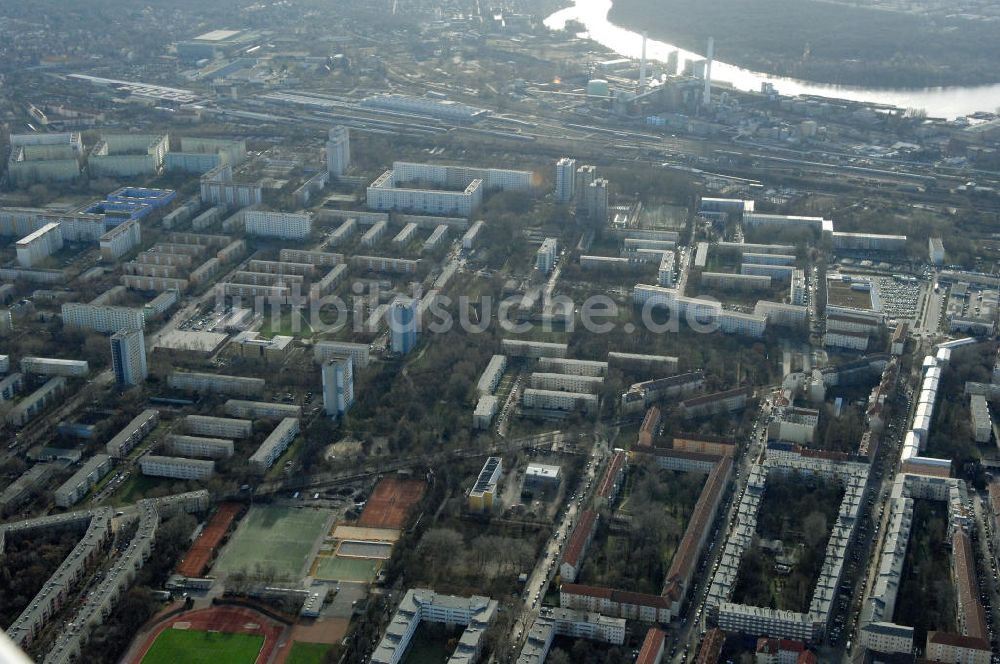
[(327, 350), (283, 225), (486, 409), (565, 179), (437, 236), (779, 222), (797, 289), (102, 318), (982, 423), (406, 235), (665, 273), (217, 187), (128, 155), (343, 232), (557, 400), (39, 245), (77, 486), (935, 250), (176, 467), (519, 348), (276, 443), (869, 242), (566, 382), (454, 177), (215, 383), (545, 258), (338, 385), (374, 234), (319, 258), (50, 366), (385, 264), (120, 240), (491, 376), (133, 433), (848, 340), (779, 313), (469, 239), (338, 151), (768, 259), (199, 446), (573, 367), (421, 604), (261, 409), (776, 272), (217, 427), (384, 194), (730, 281), (128, 357), (35, 402)]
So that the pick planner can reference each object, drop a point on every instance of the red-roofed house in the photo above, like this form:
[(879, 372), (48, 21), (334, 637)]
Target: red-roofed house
[(778, 651), (948, 647), (615, 603), (652, 647), (613, 479), (576, 547)]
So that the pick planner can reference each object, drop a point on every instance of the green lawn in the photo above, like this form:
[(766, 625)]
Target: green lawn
[(307, 653), (195, 647), (275, 538)]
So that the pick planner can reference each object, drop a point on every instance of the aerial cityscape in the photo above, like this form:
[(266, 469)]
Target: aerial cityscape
[(465, 332)]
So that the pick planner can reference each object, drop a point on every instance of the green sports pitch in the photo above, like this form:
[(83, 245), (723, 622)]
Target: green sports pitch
[(279, 539), (196, 647), (307, 653)]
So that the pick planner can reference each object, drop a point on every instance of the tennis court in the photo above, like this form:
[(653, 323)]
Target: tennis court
[(274, 538), (390, 503)]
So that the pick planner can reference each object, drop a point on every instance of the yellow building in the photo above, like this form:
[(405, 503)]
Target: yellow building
[(482, 497)]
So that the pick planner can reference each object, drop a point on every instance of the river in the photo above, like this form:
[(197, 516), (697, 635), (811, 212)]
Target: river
[(950, 102)]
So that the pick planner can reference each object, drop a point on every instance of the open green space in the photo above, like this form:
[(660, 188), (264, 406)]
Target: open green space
[(634, 553), (274, 540), (196, 647), (800, 511), (307, 653), (926, 597), (331, 568)]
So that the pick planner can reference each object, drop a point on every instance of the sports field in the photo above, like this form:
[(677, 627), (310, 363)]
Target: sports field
[(307, 653), (196, 647), (275, 538), (390, 503)]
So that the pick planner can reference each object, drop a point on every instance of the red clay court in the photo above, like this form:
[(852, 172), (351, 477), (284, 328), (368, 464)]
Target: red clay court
[(229, 619), (196, 560), (391, 502)]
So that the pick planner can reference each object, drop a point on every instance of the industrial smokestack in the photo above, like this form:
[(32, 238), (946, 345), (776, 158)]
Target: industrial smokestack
[(708, 70), (642, 66)]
